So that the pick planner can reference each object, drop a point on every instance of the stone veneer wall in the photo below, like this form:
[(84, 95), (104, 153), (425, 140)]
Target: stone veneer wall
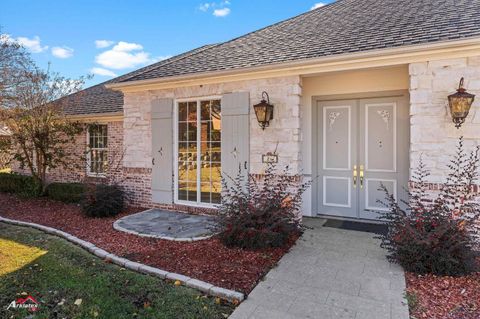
[(284, 129), (433, 135)]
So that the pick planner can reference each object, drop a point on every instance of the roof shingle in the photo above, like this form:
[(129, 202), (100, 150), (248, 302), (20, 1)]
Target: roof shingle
[(345, 26)]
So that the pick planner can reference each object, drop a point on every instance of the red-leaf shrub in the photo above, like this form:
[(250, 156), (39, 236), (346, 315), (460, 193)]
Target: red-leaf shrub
[(261, 213), (436, 235)]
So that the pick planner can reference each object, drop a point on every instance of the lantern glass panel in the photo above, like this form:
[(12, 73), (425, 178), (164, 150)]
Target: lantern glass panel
[(261, 112)]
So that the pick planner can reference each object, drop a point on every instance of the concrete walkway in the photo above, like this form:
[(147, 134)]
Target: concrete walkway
[(330, 274)]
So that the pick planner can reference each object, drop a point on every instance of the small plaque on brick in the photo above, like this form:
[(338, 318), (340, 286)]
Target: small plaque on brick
[(269, 158)]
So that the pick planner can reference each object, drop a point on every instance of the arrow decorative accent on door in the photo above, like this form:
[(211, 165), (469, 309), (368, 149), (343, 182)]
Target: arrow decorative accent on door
[(234, 152)]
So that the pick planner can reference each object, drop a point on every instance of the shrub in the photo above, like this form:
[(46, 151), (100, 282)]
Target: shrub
[(22, 185), (436, 234), (66, 192), (103, 201), (260, 214)]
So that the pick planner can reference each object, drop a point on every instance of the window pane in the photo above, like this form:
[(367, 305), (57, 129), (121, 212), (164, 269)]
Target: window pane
[(192, 112), (192, 191), (205, 131), (98, 144), (182, 111), (191, 171), (192, 131), (182, 190), (216, 172), (182, 170), (92, 161), (205, 172), (182, 151), (202, 176), (215, 133), (182, 132), (216, 193), (205, 194), (205, 109)]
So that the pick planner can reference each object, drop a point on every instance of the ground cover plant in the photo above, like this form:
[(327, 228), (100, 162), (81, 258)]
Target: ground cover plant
[(68, 282)]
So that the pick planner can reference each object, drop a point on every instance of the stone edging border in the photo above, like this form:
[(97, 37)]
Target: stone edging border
[(205, 287), (116, 226)]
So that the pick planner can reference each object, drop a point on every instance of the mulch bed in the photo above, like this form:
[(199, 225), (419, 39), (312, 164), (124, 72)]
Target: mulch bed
[(208, 260), (444, 297)]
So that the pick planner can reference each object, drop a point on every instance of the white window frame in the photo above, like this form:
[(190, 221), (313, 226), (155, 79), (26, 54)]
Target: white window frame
[(198, 203), (89, 149)]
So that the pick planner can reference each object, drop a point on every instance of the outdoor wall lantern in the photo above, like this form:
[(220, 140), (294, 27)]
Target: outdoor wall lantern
[(264, 111), (460, 104)]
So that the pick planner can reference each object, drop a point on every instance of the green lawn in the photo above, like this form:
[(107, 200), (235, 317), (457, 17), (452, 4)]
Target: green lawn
[(57, 273)]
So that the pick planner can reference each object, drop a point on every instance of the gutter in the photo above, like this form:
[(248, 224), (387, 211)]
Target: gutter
[(408, 53), (104, 117)]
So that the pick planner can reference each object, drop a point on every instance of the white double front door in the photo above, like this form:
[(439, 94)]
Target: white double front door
[(361, 145)]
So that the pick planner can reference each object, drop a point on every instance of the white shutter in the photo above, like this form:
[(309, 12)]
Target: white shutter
[(162, 151), (235, 134)]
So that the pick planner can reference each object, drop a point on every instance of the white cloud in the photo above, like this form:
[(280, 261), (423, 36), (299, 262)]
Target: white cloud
[(100, 44), (161, 58), (204, 7), (221, 12), (127, 46), (123, 55), (33, 45), (62, 52), (103, 72), (317, 5), (219, 9)]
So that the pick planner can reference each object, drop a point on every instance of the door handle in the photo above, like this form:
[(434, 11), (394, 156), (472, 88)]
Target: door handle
[(355, 176), (361, 176)]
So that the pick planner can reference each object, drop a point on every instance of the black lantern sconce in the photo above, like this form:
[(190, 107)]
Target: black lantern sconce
[(264, 111), (460, 104)]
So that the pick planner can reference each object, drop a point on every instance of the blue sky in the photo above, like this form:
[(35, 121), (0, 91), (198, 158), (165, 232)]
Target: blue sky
[(113, 37)]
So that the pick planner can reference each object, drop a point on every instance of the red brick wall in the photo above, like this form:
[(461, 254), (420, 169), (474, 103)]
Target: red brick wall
[(135, 181)]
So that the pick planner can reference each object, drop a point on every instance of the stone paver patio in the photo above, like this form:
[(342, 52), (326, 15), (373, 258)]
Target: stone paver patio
[(164, 224), (330, 274)]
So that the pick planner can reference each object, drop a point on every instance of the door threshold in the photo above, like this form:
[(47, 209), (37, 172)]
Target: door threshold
[(351, 219), (378, 229)]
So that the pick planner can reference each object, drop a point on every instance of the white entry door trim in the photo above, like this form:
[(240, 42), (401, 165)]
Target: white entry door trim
[(367, 192), (359, 144), (391, 123), (349, 196), (328, 123)]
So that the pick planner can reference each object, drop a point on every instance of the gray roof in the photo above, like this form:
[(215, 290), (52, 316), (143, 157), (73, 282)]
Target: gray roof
[(98, 99), (345, 26)]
